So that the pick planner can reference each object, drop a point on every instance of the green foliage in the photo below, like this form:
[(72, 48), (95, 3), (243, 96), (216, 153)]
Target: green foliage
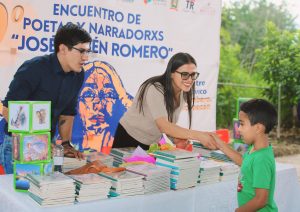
[(231, 72), (254, 54), (245, 20), (279, 61)]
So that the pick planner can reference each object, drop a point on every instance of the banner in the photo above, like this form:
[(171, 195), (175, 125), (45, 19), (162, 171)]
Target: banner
[(132, 40)]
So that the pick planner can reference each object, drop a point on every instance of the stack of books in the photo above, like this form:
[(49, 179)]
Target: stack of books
[(184, 167), (72, 163), (201, 150), (228, 171), (220, 156), (53, 190), (91, 187), (156, 178), (105, 159), (120, 153), (125, 183), (209, 172)]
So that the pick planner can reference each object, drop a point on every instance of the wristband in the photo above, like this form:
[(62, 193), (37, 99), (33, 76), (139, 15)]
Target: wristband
[(66, 144)]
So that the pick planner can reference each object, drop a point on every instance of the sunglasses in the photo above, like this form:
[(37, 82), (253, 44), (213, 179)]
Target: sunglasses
[(187, 75)]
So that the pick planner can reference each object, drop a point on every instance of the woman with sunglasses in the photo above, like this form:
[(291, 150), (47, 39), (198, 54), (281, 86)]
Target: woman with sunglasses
[(156, 107)]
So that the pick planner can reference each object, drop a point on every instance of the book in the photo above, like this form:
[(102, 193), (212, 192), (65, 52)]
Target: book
[(54, 178), (176, 154), (122, 176)]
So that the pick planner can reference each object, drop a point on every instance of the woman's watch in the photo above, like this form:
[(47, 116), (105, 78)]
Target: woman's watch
[(66, 144)]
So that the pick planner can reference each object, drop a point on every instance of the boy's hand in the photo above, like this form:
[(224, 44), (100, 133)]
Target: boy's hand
[(208, 141), (219, 143)]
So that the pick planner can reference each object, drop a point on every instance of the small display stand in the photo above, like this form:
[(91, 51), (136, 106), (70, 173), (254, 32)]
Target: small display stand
[(30, 123)]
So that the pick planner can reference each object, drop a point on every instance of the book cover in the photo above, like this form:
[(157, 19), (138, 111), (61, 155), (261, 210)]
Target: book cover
[(176, 154), (122, 176)]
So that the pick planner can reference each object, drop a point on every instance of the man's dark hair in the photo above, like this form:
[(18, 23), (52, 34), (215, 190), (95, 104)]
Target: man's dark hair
[(260, 111), (70, 35)]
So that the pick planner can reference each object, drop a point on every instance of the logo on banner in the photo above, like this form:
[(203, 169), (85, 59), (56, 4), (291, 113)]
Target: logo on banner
[(156, 2), (174, 4), (208, 8), (190, 6)]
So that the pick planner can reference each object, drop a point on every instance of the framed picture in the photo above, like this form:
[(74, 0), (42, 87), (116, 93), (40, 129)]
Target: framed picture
[(41, 113), (18, 116), (35, 147), (48, 168), (20, 172)]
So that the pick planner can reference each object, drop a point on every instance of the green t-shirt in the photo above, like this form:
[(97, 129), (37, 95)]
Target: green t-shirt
[(257, 171)]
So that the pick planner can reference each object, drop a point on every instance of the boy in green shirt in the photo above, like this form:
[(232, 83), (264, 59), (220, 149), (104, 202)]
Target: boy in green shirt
[(256, 183)]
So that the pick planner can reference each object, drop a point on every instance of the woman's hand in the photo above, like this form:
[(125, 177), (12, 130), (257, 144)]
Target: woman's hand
[(181, 143), (207, 140), (219, 143)]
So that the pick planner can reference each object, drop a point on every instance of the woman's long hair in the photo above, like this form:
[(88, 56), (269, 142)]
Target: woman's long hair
[(164, 84)]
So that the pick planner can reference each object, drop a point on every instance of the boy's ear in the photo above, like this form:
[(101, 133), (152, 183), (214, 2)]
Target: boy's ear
[(260, 128)]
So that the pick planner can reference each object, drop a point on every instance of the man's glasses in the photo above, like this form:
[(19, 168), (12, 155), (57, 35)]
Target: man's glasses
[(83, 51), (187, 75)]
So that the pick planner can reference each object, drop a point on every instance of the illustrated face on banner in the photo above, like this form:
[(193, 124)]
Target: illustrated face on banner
[(96, 100), (102, 102)]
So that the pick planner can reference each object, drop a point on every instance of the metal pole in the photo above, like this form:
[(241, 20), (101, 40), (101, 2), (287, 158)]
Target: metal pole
[(279, 110)]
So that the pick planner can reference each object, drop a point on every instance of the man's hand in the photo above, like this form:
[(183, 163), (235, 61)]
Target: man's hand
[(71, 152)]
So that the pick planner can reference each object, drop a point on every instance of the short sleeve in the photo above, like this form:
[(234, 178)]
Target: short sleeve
[(262, 173), (156, 103)]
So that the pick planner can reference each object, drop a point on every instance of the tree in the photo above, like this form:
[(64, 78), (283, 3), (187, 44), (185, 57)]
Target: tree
[(279, 61), (231, 72), (245, 20)]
